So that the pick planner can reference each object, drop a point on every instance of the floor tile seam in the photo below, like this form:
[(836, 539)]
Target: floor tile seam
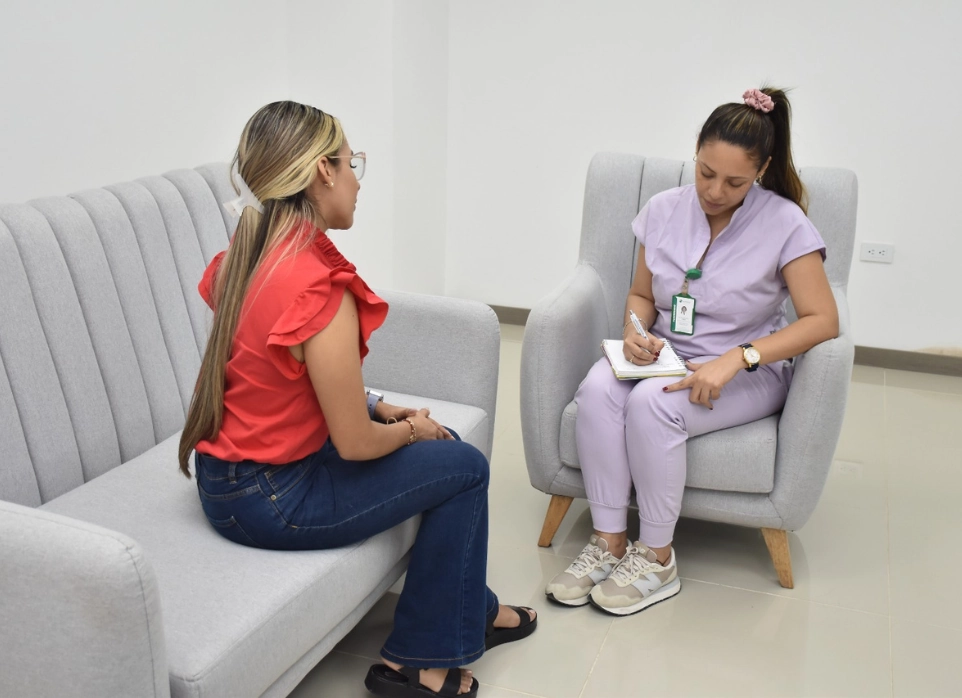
[(888, 545), (510, 690), (952, 629), (512, 456), (550, 550), (891, 659), (356, 656), (789, 598), (951, 393), (601, 648)]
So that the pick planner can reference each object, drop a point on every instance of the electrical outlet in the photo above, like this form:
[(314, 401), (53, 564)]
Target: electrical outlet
[(877, 252)]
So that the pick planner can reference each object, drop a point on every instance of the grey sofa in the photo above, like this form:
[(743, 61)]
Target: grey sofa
[(112, 583), (767, 474)]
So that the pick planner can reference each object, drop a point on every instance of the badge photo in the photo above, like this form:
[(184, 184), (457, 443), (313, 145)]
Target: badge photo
[(682, 314)]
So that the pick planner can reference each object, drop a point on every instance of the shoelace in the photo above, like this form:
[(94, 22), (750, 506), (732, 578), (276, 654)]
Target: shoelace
[(587, 560), (633, 565)]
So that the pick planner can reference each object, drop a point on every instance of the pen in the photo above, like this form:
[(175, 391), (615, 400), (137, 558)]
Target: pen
[(637, 323)]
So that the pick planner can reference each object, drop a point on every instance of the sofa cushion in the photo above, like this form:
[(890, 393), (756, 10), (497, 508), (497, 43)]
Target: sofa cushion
[(739, 459), (471, 423), (234, 616)]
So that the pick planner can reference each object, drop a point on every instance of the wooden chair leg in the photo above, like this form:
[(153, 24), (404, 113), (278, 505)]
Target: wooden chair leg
[(777, 542), (557, 508)]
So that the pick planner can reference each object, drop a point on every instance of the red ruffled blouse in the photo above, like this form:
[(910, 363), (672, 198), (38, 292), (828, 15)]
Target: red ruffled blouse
[(271, 412)]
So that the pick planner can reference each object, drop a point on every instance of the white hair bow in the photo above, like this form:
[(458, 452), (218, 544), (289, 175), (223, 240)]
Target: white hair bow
[(246, 197)]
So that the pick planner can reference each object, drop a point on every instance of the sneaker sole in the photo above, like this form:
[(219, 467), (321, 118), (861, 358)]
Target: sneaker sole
[(662, 594), (570, 602)]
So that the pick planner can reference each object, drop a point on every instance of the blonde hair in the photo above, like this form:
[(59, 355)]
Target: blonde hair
[(277, 157)]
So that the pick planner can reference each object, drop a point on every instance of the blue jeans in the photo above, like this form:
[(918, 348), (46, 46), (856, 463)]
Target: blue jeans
[(324, 501)]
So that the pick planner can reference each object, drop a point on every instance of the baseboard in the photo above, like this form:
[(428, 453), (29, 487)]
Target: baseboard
[(918, 361), (511, 316)]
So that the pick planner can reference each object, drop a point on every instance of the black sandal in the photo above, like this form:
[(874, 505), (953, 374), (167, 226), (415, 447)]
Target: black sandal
[(382, 680), (498, 636)]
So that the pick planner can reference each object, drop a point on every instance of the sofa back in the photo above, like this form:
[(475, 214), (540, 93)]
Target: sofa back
[(620, 184), (101, 326)]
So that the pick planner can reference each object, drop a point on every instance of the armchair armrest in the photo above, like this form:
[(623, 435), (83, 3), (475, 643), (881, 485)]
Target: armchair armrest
[(437, 347), (561, 342), (811, 422), (79, 608)]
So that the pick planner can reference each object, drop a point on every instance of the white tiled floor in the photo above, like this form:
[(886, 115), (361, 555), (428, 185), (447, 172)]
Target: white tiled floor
[(874, 612)]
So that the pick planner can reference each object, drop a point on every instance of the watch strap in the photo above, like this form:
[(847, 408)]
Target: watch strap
[(373, 397)]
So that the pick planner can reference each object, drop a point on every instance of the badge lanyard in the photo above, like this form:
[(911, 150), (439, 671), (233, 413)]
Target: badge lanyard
[(683, 305)]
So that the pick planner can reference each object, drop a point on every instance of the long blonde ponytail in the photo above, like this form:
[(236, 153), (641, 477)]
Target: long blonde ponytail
[(277, 157)]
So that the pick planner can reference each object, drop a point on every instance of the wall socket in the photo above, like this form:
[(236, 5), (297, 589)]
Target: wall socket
[(877, 252)]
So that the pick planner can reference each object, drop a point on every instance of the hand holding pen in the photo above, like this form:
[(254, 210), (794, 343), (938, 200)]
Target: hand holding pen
[(641, 348)]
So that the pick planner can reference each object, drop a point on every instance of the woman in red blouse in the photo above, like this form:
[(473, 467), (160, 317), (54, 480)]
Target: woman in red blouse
[(290, 454)]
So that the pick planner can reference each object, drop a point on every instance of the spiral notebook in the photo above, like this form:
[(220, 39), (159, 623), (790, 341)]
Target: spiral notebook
[(668, 363)]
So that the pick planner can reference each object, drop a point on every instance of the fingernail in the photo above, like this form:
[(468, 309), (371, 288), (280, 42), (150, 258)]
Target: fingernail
[(665, 389)]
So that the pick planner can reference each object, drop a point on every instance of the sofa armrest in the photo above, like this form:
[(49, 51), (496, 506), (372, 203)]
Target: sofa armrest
[(79, 608), (561, 342), (811, 422), (437, 347)]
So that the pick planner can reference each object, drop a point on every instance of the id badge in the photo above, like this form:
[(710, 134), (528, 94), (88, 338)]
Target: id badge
[(682, 314)]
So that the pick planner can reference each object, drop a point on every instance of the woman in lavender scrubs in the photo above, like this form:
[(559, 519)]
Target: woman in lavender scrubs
[(728, 250)]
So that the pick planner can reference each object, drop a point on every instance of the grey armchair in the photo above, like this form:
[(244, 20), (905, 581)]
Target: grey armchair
[(767, 474)]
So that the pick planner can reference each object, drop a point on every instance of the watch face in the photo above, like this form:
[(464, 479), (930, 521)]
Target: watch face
[(752, 356)]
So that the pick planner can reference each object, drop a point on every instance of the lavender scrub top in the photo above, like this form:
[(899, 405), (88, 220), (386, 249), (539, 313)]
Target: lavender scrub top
[(741, 293)]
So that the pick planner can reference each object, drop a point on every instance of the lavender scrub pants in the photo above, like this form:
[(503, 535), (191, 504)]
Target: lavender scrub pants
[(632, 433)]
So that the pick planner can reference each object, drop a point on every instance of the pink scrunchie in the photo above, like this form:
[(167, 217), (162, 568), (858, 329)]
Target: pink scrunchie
[(757, 99)]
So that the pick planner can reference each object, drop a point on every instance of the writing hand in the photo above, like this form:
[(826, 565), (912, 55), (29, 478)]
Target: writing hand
[(641, 351)]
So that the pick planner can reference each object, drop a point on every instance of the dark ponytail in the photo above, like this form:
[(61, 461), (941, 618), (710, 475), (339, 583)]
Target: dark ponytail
[(762, 135)]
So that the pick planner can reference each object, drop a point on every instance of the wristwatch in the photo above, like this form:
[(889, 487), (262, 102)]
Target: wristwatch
[(751, 356), (373, 397)]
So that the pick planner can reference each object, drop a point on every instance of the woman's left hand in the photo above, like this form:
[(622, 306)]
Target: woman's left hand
[(707, 380), (385, 411)]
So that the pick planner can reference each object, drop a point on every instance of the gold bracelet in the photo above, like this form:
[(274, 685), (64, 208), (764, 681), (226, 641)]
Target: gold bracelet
[(414, 432), (629, 322)]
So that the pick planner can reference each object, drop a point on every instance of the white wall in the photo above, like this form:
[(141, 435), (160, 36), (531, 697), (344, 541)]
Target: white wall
[(545, 84), (104, 91), (381, 67), (340, 62), (480, 118), (421, 145)]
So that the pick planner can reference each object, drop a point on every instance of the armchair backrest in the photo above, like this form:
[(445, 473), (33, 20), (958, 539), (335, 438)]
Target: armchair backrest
[(620, 184)]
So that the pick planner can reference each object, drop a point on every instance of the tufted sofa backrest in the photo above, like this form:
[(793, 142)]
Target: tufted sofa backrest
[(101, 326)]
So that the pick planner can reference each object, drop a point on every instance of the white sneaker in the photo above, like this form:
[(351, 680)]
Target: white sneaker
[(637, 582), (592, 566)]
